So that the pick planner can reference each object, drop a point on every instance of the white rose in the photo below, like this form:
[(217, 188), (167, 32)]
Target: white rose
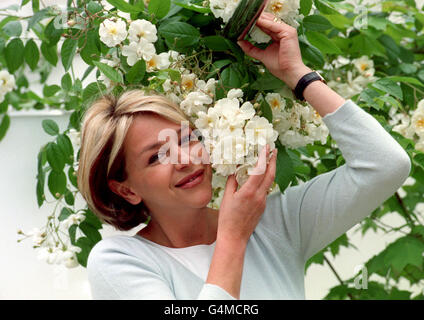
[(7, 82), (136, 51), (142, 29), (158, 62), (112, 33)]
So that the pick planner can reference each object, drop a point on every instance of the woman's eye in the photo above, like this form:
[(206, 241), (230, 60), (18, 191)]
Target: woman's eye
[(155, 157)]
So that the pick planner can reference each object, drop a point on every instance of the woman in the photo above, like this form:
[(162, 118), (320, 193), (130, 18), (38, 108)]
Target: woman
[(255, 246)]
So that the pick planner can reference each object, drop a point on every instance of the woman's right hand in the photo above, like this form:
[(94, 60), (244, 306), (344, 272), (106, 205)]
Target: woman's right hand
[(241, 210)]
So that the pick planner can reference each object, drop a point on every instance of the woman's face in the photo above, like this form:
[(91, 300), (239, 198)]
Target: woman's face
[(155, 182)]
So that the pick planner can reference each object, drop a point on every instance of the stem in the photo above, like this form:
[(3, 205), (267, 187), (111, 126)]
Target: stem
[(337, 275), (407, 215)]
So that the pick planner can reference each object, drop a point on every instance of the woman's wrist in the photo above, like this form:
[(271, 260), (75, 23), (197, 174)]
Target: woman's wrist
[(292, 77), (231, 242)]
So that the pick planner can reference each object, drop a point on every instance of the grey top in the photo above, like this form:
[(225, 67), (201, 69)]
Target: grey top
[(294, 226)]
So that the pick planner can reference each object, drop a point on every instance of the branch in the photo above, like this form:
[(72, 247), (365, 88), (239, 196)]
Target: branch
[(337, 275), (406, 215)]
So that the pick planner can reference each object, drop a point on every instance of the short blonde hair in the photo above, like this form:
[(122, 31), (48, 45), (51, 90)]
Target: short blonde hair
[(105, 126)]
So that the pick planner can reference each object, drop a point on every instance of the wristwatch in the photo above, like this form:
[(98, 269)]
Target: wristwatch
[(304, 82)]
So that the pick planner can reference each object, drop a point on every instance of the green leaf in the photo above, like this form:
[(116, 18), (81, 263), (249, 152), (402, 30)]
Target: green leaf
[(137, 72), (68, 50), (159, 8), (316, 23), (305, 7), (364, 45), (40, 192), (266, 111), (311, 54), (49, 52), (216, 43), (90, 231), (192, 7), (86, 245), (406, 250), (66, 82), (321, 42), (92, 91), (35, 5), (90, 47), (179, 34), (14, 54), (69, 198), (64, 213), (92, 219), (125, 6), (231, 77), (285, 172), (36, 18), (93, 7), (65, 145), (49, 91), (217, 66), (50, 127), (13, 28), (4, 126), (73, 233), (57, 183), (109, 72), (389, 86), (55, 157), (72, 176), (31, 54), (406, 79), (267, 81), (52, 35)]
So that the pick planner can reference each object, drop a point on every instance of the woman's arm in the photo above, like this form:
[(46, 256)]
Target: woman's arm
[(317, 212), (239, 214), (283, 59)]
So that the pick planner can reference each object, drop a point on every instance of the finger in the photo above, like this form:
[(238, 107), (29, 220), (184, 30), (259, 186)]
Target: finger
[(231, 185), (267, 15), (251, 50), (270, 172), (276, 27), (256, 175)]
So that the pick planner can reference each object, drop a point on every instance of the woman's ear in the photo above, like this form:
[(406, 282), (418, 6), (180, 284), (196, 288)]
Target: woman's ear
[(123, 191)]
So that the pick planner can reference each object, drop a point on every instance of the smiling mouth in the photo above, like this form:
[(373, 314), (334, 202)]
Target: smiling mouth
[(192, 181)]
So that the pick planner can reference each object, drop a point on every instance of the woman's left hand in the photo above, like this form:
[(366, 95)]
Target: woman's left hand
[(282, 57)]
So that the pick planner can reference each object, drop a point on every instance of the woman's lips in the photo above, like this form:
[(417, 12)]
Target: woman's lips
[(194, 182)]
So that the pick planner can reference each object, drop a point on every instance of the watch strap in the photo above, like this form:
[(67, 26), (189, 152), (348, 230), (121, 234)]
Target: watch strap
[(304, 82)]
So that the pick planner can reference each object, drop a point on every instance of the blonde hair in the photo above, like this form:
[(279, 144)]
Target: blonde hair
[(105, 126)]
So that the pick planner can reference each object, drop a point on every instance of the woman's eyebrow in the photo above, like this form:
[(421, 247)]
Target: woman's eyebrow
[(156, 144)]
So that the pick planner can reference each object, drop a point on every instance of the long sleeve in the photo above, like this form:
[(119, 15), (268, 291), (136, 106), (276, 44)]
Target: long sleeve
[(118, 269), (312, 215), (331, 203)]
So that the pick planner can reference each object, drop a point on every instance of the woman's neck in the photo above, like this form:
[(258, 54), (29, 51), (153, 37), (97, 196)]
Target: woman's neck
[(190, 231)]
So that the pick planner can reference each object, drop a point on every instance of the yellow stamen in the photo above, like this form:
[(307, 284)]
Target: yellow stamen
[(420, 123), (276, 7)]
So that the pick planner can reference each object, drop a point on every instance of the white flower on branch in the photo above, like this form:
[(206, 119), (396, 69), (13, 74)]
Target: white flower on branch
[(158, 62), (223, 8), (136, 51), (7, 83), (142, 29), (113, 33)]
